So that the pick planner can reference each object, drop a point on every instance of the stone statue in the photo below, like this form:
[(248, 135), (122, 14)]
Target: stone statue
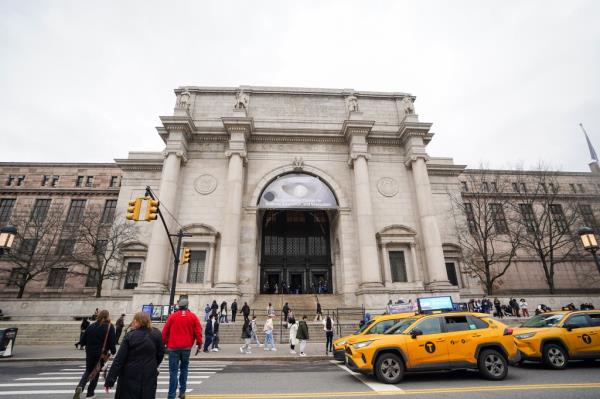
[(298, 163), (352, 103), (183, 101), (407, 106), (241, 100)]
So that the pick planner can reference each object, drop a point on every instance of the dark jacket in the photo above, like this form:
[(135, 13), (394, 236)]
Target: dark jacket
[(234, 308), (302, 333), (319, 311), (93, 338), (120, 323), (208, 328), (247, 330), (246, 310), (136, 365), (84, 324), (285, 309)]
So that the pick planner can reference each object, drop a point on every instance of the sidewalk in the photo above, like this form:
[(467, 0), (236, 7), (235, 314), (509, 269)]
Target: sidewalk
[(228, 352)]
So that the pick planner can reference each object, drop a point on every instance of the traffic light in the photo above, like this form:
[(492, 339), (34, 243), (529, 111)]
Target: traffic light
[(151, 210), (185, 256), (133, 211)]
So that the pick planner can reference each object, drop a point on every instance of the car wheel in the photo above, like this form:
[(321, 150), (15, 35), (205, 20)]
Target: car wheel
[(492, 365), (555, 357), (389, 368)]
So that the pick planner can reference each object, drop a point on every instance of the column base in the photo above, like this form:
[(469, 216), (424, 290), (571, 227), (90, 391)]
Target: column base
[(441, 286), (228, 289)]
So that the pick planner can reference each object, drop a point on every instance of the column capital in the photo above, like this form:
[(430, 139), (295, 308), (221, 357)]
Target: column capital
[(176, 124), (415, 153), (182, 154), (239, 129), (356, 132)]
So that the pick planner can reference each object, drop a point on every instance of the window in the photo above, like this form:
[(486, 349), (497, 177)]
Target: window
[(20, 180), (89, 181), (92, 278), (382, 326), (108, 214), (554, 187), (528, 217), (543, 187), (114, 181), (494, 186), (133, 274), (457, 323), (477, 322), (79, 181), (430, 326), (581, 190), (28, 246), (196, 267), (15, 278), (470, 217), (56, 278), (65, 247), (9, 180), (54, 180), (485, 187), (577, 321), (558, 217), (451, 272), (594, 319), (45, 179), (572, 187), (75, 211), (100, 247), (465, 186), (588, 216), (515, 187), (497, 213), (40, 210), (523, 188), (6, 208), (398, 267)]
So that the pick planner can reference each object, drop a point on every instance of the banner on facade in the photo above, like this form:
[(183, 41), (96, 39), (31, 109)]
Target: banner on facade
[(297, 191)]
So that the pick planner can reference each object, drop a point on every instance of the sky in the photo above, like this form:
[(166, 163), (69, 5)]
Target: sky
[(504, 83)]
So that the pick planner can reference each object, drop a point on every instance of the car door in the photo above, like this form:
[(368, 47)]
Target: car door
[(595, 333), (430, 349), (579, 334), (462, 337)]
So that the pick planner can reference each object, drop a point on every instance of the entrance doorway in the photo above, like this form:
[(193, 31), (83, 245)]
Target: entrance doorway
[(295, 252)]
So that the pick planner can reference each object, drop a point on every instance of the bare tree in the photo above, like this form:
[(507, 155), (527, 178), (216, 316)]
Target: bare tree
[(489, 243), (549, 217), (100, 244), (44, 242)]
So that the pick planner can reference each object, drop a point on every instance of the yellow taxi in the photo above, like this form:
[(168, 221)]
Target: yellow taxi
[(377, 325), (443, 341), (556, 337)]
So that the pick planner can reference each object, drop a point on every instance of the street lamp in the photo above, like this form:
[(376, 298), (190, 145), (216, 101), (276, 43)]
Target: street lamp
[(7, 237), (590, 244)]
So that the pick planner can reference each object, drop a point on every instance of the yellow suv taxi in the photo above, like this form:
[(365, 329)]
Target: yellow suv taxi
[(556, 337), (377, 325), (457, 340)]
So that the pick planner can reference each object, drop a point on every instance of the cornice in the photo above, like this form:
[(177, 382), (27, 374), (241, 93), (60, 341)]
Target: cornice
[(183, 124), (139, 164), (445, 170), (258, 138), (237, 124), (58, 164), (57, 191)]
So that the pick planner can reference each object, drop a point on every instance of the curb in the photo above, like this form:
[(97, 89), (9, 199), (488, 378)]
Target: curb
[(220, 359)]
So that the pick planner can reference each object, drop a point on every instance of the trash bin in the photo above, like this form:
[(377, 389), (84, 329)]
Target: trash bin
[(7, 341)]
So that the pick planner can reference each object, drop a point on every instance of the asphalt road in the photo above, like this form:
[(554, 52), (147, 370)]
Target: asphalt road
[(317, 379)]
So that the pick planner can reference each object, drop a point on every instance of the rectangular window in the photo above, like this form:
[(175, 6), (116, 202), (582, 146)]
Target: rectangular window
[(133, 275), (56, 278), (494, 186), (45, 179), (588, 217), (465, 186), (92, 278), (485, 187), (398, 267), (114, 181), (79, 181), (572, 187), (89, 181), (20, 180), (528, 217), (196, 267), (39, 211), (497, 213), (9, 180), (451, 272), (28, 246), (558, 217), (54, 180), (543, 187), (581, 190), (554, 187), (76, 211), (108, 214), (470, 217), (100, 247), (16, 276), (515, 187), (65, 247), (523, 188), (6, 208)]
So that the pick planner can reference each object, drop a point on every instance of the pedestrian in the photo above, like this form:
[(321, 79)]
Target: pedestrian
[(246, 311), (215, 335), (319, 315), (286, 311), (293, 327), (388, 307), (82, 327), (95, 315), (208, 331), (524, 307), (214, 307), (268, 330), (270, 310), (515, 307), (498, 307), (246, 336), (119, 324), (302, 335), (136, 364), (206, 312), (179, 333), (234, 309), (328, 328), (254, 336), (99, 341), (223, 313)]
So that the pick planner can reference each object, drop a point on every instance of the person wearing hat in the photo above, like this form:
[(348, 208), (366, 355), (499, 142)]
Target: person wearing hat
[(179, 333)]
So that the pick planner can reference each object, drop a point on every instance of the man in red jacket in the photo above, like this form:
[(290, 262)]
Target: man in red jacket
[(179, 333)]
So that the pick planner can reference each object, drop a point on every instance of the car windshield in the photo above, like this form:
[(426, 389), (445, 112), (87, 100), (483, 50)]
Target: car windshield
[(402, 325), (543, 320), (365, 326)]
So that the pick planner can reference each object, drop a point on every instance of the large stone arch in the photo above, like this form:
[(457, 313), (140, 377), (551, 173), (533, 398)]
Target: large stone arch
[(327, 179)]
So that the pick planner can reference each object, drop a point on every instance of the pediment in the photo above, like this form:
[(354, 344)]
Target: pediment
[(396, 230), (200, 229)]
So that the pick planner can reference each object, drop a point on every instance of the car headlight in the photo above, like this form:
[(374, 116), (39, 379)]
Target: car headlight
[(342, 343), (362, 344), (525, 335)]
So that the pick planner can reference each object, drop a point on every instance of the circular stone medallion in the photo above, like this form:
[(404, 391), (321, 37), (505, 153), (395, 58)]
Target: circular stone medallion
[(387, 186), (205, 184)]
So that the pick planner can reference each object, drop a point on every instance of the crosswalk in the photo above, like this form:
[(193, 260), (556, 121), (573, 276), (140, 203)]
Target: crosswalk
[(64, 380)]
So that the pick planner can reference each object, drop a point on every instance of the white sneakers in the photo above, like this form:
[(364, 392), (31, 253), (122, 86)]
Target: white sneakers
[(241, 349), (215, 349), (274, 349), (293, 352), (302, 354)]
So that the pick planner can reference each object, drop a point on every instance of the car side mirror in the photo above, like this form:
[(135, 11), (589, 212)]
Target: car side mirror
[(569, 327), (415, 332)]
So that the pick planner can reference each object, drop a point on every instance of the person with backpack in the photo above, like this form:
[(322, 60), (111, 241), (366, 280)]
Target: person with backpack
[(293, 327), (268, 330), (302, 335), (246, 336), (328, 328)]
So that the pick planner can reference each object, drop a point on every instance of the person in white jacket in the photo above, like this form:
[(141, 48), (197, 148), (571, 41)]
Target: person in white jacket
[(293, 327), (268, 330)]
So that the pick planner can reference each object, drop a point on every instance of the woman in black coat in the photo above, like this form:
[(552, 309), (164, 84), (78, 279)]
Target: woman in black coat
[(137, 361)]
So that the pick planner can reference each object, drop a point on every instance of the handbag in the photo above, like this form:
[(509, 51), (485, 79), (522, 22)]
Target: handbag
[(104, 357)]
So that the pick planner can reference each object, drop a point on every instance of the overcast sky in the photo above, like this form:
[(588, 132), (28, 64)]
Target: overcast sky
[(503, 82)]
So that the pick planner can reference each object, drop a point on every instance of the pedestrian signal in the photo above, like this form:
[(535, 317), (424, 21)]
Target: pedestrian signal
[(133, 210), (151, 210), (185, 256)]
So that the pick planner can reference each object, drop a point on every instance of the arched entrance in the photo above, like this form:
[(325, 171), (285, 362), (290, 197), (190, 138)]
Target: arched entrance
[(296, 211)]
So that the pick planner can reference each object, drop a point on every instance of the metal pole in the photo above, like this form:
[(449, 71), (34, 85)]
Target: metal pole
[(596, 260), (175, 267)]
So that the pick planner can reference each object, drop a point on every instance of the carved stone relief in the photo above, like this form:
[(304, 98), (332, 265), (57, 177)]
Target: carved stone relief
[(205, 184), (388, 187)]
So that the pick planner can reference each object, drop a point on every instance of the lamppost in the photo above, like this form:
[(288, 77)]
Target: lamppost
[(7, 237), (590, 244)]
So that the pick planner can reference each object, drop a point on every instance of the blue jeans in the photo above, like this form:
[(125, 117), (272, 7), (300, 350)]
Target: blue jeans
[(179, 360), (269, 340)]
